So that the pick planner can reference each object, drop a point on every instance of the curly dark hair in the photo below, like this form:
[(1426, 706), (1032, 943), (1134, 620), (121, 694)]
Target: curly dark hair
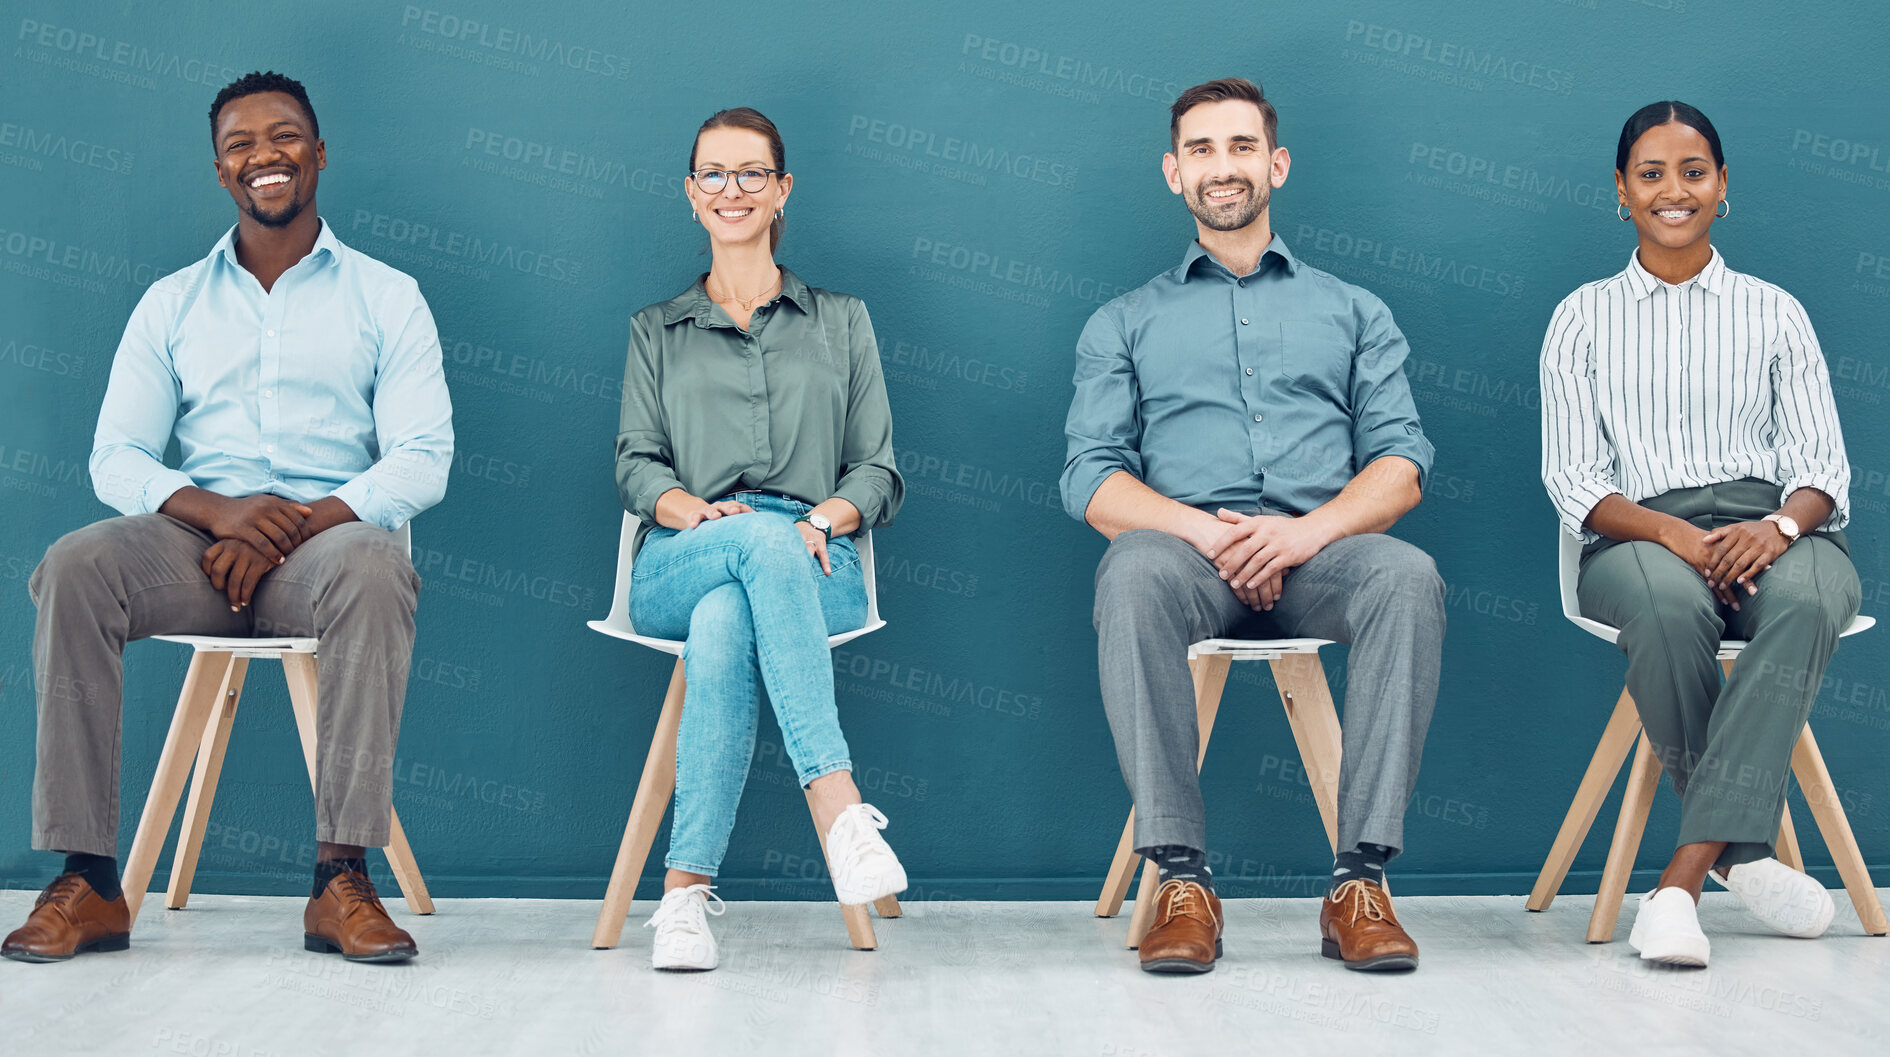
[(253, 83)]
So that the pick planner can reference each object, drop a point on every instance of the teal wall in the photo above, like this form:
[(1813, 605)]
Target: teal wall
[(984, 175)]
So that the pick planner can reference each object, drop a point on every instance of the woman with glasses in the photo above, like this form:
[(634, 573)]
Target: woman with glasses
[(1689, 437), (755, 442)]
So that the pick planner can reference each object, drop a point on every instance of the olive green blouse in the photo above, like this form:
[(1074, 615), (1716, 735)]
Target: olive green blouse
[(794, 405)]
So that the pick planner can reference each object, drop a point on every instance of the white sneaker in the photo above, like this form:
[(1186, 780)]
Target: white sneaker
[(1789, 902), (1667, 929), (682, 929), (864, 868)]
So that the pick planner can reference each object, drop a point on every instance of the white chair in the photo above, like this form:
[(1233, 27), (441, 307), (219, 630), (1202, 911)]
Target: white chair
[(1309, 712), (658, 782), (200, 728), (1623, 730)]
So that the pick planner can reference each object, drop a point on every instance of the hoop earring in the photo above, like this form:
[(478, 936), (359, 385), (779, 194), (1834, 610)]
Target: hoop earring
[(1621, 211), (1724, 204), (779, 212), (693, 218)]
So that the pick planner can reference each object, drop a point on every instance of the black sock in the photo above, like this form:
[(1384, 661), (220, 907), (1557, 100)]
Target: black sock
[(99, 871), (1365, 863), (329, 869), (1178, 862)]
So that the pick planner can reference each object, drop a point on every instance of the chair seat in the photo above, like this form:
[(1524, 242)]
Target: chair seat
[(1728, 648), (674, 647), (242, 647), (1255, 649)]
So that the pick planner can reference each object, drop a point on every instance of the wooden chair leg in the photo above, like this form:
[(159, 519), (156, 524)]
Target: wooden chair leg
[(1616, 739), (1636, 801), (1822, 796), (1144, 914), (203, 783), (300, 672), (889, 907), (1315, 724), (1121, 872), (859, 922), (413, 887), (1788, 852), (202, 684), (654, 789)]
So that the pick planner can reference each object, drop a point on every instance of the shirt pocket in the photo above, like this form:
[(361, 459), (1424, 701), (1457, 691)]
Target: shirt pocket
[(1316, 357)]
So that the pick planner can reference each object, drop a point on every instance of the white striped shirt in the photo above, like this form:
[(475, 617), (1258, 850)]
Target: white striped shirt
[(1648, 387)]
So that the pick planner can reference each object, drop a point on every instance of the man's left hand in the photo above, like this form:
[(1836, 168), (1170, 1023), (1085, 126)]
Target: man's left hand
[(1257, 551)]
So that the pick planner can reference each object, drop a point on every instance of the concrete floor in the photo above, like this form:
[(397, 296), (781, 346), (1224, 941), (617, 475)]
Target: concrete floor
[(229, 977)]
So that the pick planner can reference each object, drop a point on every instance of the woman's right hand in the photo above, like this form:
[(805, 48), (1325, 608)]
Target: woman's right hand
[(711, 511), (1689, 543)]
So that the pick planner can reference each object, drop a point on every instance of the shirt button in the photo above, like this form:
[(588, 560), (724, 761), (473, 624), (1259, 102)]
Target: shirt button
[(269, 392), (1243, 321), (271, 333), (1242, 282), (1250, 371), (1257, 418), (271, 447)]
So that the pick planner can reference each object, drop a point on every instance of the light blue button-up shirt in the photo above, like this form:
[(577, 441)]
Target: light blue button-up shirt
[(1216, 390), (328, 384)]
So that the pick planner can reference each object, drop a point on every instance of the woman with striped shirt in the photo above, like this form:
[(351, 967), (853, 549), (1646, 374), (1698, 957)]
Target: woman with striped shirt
[(1689, 438)]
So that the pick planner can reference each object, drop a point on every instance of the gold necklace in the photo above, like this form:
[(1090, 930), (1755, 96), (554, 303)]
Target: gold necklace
[(748, 303)]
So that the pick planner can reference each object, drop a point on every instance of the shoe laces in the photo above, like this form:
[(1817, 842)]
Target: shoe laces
[(1182, 899), (861, 846), (66, 889), (357, 885), (1366, 900), (685, 911)]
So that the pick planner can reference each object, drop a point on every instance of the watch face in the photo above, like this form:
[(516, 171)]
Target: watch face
[(820, 522)]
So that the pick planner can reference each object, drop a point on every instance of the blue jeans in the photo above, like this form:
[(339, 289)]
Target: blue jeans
[(753, 608)]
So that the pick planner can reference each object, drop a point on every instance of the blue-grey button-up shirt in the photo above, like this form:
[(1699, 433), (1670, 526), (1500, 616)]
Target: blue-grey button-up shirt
[(1273, 388), (328, 384)]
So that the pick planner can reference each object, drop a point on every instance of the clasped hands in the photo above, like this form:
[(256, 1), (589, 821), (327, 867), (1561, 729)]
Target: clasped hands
[(254, 535), (1255, 552), (815, 539), (1731, 558)]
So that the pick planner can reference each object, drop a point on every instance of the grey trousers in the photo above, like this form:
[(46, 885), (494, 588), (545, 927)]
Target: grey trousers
[(127, 578), (1728, 750), (1156, 594)]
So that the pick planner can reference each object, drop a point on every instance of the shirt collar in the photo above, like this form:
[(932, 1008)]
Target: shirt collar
[(694, 302), (1712, 278), (1197, 252), (327, 246)]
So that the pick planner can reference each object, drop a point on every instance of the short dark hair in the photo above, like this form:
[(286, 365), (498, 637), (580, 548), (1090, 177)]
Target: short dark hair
[(256, 83), (753, 120), (1654, 115), (1219, 91)]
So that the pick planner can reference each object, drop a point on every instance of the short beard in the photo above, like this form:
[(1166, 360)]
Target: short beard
[(280, 219), (1216, 219)]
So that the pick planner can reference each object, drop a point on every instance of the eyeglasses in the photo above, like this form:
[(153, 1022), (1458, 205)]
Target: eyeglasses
[(712, 181)]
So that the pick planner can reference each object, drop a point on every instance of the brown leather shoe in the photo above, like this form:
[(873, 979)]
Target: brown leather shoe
[(70, 918), (1186, 936), (348, 918), (1357, 924)]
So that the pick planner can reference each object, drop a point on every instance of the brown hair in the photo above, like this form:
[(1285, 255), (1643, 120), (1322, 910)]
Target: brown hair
[(1219, 91), (754, 121)]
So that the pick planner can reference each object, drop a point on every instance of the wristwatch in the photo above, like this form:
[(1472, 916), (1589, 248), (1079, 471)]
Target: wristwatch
[(820, 522), (1785, 524)]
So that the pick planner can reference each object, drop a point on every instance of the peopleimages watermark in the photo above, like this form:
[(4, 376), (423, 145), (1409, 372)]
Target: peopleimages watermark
[(505, 47), (461, 252), (1012, 271), (1457, 58), (1404, 261), (1527, 186), (67, 264), (1041, 70), (33, 144), (100, 56), (926, 150)]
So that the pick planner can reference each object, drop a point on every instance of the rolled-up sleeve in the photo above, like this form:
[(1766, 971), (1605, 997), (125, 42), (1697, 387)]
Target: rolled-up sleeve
[(869, 474), (413, 418), (1577, 461), (1104, 427), (1804, 413), (1384, 417), (645, 459), (139, 413)]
